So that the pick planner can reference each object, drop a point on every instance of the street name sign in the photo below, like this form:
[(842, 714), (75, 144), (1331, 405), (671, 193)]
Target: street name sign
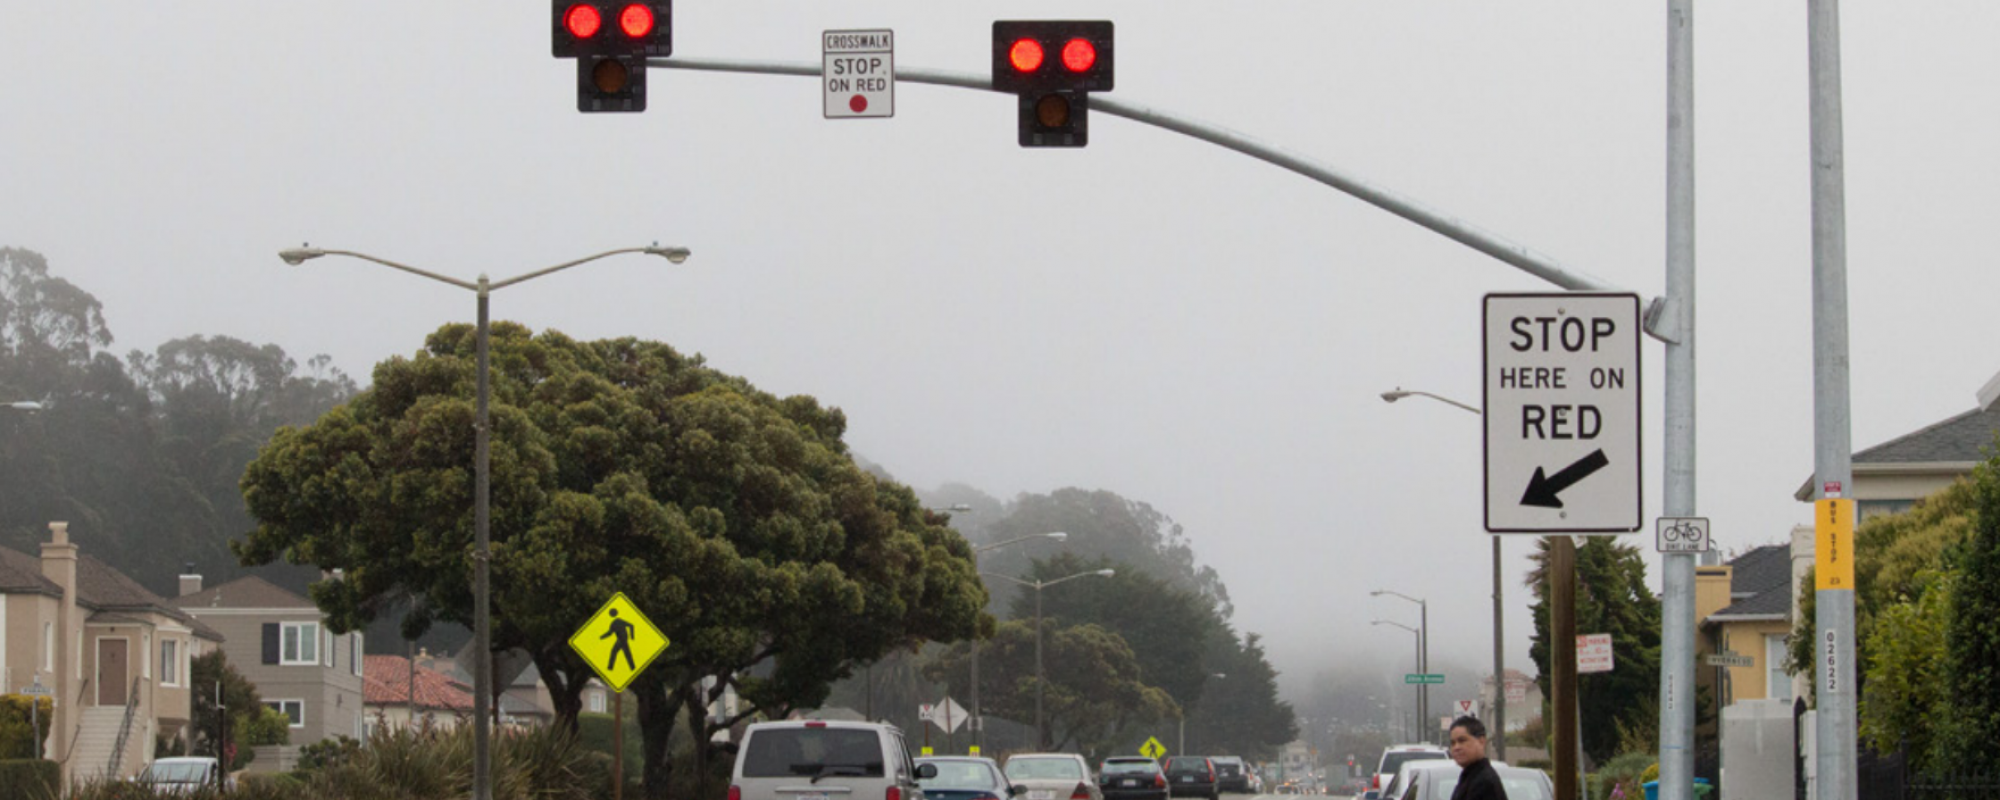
[(37, 689), (1730, 659), (618, 642), (859, 73), (1681, 535), (1593, 652), (1561, 407), (1422, 677), (1152, 748)]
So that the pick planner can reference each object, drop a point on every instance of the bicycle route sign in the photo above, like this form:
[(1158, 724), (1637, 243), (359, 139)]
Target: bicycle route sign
[(1561, 407), (618, 641), (1681, 535)]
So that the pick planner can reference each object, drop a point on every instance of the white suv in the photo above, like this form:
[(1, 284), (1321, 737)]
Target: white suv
[(825, 760), (1393, 758)]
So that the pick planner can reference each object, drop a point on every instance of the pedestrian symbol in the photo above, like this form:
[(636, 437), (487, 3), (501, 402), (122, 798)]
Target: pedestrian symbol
[(618, 642), (1152, 748)]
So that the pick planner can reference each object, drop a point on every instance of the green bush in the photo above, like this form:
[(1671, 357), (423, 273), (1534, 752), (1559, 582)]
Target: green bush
[(29, 779), (593, 732), (16, 726), (1623, 769), (328, 753)]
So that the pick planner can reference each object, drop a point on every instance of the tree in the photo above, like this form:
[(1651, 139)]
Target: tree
[(737, 520), (1908, 688), (1102, 524), (1094, 691), (1611, 597), (1972, 661), (209, 674), (1240, 713)]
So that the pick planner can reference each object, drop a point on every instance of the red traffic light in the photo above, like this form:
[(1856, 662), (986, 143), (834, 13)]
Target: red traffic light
[(1079, 55), (636, 20), (582, 21), (1026, 55)]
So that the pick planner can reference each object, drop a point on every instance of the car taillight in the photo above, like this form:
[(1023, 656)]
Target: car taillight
[(1159, 782), (735, 792), (1374, 784), (1082, 793), (893, 793)]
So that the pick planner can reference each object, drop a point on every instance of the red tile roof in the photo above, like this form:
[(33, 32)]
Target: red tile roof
[(387, 683)]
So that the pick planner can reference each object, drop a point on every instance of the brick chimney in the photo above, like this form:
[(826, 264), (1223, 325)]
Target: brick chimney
[(190, 581)]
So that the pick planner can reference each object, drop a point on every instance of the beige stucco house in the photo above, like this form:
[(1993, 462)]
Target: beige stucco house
[(114, 656), (280, 642)]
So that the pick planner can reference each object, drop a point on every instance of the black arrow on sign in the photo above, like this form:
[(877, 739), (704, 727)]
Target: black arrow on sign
[(1542, 490)]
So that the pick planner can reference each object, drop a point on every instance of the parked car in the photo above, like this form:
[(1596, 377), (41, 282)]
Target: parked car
[(792, 759), (1132, 778), (1052, 776), (1393, 757), (1437, 783), (1191, 776), (1231, 774), (965, 778), (185, 775)]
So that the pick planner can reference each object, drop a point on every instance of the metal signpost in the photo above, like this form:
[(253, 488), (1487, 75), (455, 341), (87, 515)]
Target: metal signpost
[(859, 74)]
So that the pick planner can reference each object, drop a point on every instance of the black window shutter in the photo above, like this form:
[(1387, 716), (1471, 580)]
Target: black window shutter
[(271, 643)]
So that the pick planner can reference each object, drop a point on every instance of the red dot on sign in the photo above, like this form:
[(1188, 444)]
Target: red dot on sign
[(857, 103)]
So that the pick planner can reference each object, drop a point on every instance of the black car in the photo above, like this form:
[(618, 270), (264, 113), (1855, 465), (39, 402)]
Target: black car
[(1231, 774), (1132, 778), (1191, 776)]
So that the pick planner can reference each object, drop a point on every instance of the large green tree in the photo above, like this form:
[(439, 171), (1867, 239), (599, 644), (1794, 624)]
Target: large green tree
[(1094, 693), (1102, 524), (735, 519), (1611, 597)]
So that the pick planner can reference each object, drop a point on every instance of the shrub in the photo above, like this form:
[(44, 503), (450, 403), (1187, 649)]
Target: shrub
[(17, 725), (1624, 769), (328, 753), (29, 779)]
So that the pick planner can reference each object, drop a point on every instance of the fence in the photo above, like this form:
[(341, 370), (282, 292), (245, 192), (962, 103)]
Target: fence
[(1952, 786)]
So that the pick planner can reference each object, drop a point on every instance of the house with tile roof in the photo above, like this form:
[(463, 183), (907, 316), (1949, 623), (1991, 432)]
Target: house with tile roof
[(115, 656), (280, 642), (401, 692)]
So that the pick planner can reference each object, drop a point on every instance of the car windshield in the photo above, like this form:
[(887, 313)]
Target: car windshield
[(789, 752), (1028, 769), (967, 775), (1146, 767), (176, 773)]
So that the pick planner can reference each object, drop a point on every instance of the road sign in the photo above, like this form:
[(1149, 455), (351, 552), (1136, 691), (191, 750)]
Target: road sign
[(1562, 413), (1152, 748), (1593, 652), (1466, 708), (859, 73), (1730, 659), (1681, 535), (949, 716), (1517, 691), (37, 689), (1420, 677), (618, 642)]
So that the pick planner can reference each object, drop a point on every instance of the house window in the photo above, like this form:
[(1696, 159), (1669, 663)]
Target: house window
[(145, 646), (354, 654), (294, 709), (1777, 684), (48, 647), (170, 662), (597, 702), (301, 646)]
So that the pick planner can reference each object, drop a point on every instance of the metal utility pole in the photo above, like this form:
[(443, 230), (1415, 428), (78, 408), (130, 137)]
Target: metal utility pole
[(1499, 665), (1833, 467), (1677, 613)]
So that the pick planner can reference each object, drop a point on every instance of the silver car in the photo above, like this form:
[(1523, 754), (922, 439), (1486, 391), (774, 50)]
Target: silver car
[(1053, 776), (825, 760), (1435, 781)]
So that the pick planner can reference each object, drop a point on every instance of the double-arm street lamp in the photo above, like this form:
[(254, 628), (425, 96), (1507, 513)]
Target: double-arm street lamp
[(979, 722), (1423, 651), (1499, 657), (1419, 660), (482, 670), (1042, 731)]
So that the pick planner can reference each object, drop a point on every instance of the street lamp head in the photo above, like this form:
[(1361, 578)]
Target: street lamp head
[(675, 255), (1107, 572), (29, 406), (298, 255), (1057, 536), (1376, 593), (1393, 396)]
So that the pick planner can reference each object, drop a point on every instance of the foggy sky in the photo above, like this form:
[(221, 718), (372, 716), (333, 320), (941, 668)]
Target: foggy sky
[(1150, 315)]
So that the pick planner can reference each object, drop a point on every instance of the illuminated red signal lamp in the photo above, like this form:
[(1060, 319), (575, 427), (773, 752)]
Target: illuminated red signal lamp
[(583, 21), (1079, 55), (636, 20), (1025, 55)]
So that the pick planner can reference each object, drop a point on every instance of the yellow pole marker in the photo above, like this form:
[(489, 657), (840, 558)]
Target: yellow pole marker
[(1833, 522)]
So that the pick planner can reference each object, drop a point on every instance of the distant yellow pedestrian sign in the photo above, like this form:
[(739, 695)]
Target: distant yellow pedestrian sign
[(1152, 748), (618, 642)]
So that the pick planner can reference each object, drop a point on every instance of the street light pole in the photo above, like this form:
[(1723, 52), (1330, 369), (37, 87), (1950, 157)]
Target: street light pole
[(1423, 655), (1499, 652), (482, 630), (1041, 730), (1419, 659), (978, 720)]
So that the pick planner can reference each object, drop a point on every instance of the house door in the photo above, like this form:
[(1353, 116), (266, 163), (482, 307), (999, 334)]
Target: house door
[(112, 672)]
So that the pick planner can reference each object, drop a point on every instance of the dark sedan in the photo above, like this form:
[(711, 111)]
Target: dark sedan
[(1231, 774), (1133, 778), (1191, 776), (965, 778)]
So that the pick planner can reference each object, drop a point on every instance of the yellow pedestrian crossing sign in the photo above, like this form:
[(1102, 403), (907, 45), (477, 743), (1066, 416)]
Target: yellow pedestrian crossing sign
[(618, 642), (1152, 748)]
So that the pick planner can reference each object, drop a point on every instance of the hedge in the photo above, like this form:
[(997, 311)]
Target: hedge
[(29, 779)]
